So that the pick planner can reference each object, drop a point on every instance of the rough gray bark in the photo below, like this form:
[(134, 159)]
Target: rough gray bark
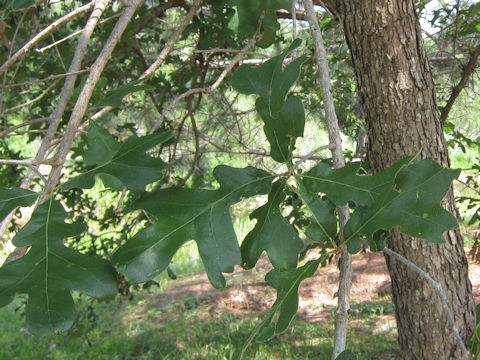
[(397, 91)]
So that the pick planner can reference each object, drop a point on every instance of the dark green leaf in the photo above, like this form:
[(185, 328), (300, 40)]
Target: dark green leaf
[(248, 14), (270, 80), (345, 184), (102, 146), (285, 307), (191, 214), (272, 233), (413, 204), (49, 271), (323, 227), (282, 128), (12, 198), (15, 5), (130, 165), (114, 97)]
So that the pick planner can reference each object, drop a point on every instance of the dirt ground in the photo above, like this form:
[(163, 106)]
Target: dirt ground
[(247, 291)]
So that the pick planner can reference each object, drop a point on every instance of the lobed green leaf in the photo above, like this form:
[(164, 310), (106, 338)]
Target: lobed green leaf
[(191, 214), (13, 198), (286, 305), (272, 233), (120, 165), (49, 271), (413, 203)]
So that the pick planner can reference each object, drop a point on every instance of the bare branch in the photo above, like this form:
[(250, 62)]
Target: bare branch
[(57, 23), (233, 51), (440, 292), (161, 57), (48, 78), (169, 45), (311, 154), (29, 102), (5, 132), (341, 315), (33, 162)]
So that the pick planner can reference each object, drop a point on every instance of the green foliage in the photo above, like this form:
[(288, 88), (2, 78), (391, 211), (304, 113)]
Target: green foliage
[(474, 340), (114, 97), (11, 198), (413, 203), (346, 355), (183, 214), (323, 223), (285, 307), (272, 233), (248, 15), (50, 271), (283, 116), (120, 165)]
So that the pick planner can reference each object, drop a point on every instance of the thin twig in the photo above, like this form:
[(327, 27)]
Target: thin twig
[(467, 71), (233, 51), (73, 34), (310, 155), (57, 23), (34, 162), (48, 78), (171, 42), (204, 90), (441, 294), (29, 102), (161, 57), (5, 132)]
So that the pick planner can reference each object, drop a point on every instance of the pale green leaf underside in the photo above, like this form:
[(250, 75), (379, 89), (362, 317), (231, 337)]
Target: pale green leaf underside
[(49, 271), (191, 214)]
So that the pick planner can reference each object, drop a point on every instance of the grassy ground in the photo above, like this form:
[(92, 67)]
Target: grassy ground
[(187, 328)]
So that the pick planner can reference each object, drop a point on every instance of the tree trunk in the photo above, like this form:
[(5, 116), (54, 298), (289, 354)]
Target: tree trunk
[(397, 90)]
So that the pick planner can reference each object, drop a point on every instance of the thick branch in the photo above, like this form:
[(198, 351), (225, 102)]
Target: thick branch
[(86, 93)]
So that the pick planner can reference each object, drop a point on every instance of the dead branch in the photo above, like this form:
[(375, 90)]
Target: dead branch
[(204, 90)]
